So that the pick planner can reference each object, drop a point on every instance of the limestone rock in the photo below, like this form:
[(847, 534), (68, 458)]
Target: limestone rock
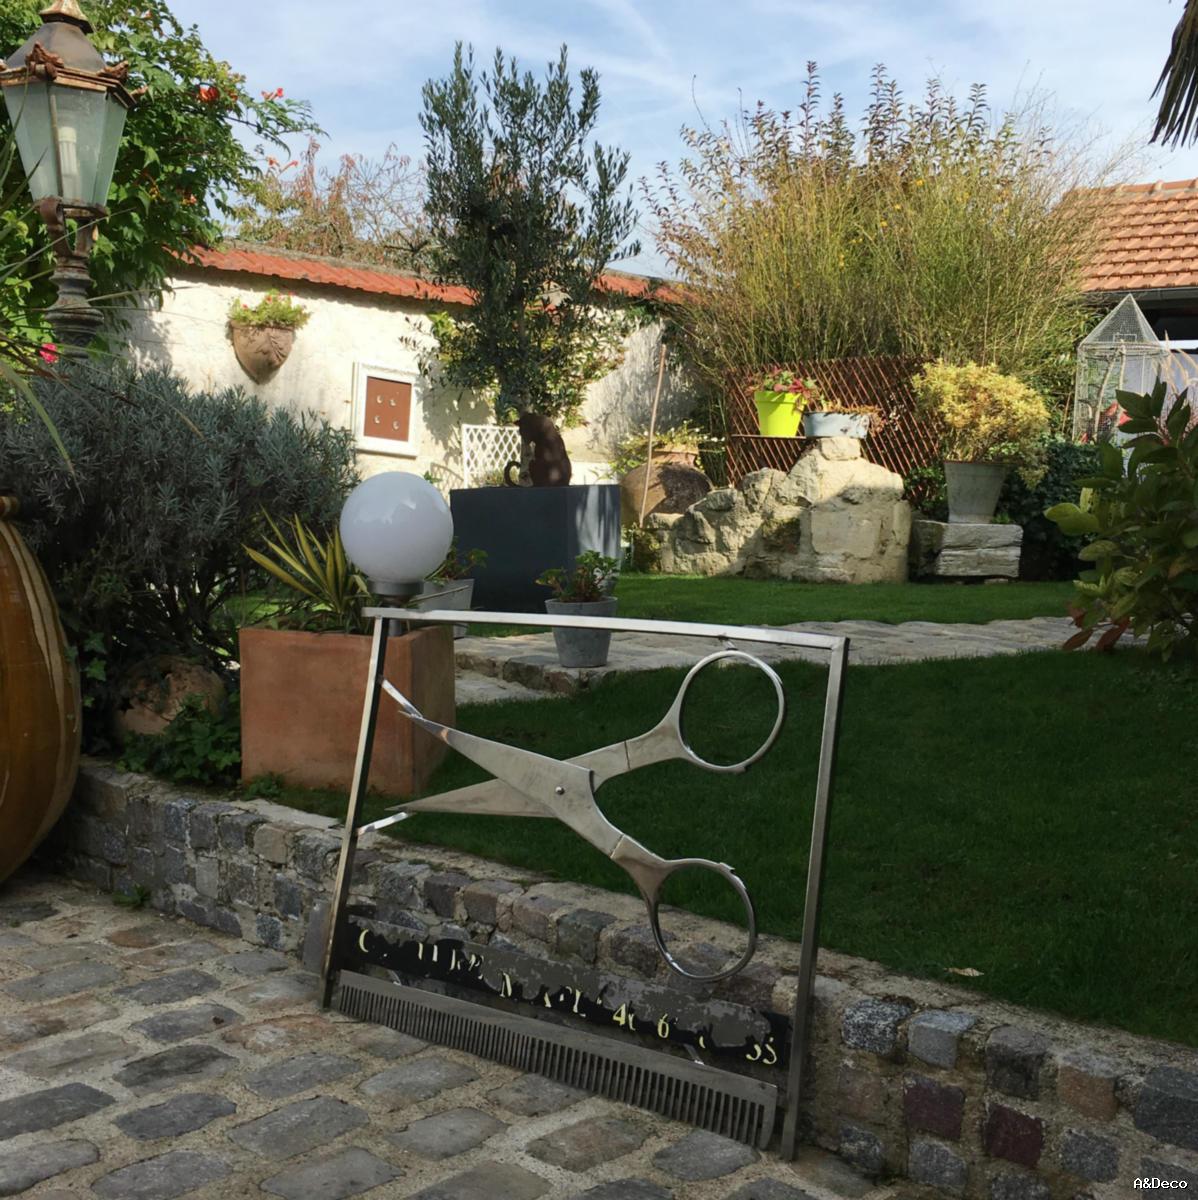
[(673, 487), (155, 690), (965, 550)]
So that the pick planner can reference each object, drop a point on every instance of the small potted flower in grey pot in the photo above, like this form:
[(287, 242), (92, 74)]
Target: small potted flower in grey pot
[(582, 591)]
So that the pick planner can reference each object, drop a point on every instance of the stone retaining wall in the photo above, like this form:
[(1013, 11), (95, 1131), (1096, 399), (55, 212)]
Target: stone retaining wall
[(911, 1078)]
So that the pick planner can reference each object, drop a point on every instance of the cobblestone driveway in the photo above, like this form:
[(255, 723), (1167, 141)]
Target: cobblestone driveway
[(143, 1058)]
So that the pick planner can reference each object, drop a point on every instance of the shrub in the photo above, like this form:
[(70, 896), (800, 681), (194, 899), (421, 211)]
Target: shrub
[(1141, 519), (198, 746), (143, 544), (272, 309)]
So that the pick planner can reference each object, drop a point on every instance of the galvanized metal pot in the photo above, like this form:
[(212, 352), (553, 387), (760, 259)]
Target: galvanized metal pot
[(835, 424), (973, 491), (451, 593), (40, 711), (582, 647)]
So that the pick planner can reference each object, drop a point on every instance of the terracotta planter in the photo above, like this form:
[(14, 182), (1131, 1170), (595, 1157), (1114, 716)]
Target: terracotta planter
[(40, 723), (262, 349), (301, 707)]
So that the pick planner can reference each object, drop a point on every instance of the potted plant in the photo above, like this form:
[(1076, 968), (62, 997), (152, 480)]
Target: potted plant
[(988, 422), (833, 419), (582, 591), (303, 669), (781, 397), (264, 334), (450, 585)]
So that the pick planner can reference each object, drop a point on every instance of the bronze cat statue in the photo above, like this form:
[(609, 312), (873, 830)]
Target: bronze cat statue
[(549, 465)]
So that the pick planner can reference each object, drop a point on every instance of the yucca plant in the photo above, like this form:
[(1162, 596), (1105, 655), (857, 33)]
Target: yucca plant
[(330, 593)]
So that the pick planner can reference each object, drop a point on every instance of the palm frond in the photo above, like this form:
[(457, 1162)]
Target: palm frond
[(1178, 84)]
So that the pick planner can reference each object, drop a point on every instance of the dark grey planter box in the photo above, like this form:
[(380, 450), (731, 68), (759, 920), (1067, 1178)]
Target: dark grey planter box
[(528, 530)]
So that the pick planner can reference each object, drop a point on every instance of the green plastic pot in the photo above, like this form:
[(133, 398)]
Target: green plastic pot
[(778, 413)]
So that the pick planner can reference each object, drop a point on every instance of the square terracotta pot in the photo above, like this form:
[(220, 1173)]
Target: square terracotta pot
[(301, 707)]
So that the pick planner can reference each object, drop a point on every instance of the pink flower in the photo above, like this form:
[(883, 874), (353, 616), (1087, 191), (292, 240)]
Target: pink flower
[(48, 353), (279, 93)]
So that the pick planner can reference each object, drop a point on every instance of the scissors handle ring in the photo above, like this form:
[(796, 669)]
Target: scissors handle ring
[(676, 712), (653, 901)]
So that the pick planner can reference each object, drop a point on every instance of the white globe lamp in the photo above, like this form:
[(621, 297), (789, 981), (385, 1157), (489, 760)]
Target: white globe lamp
[(396, 529)]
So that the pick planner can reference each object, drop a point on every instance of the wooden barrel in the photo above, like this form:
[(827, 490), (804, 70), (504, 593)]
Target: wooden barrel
[(40, 714)]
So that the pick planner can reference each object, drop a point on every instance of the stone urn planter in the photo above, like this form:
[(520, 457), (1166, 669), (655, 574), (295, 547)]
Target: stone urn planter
[(835, 424), (301, 707), (582, 647), (262, 349), (40, 712), (973, 491)]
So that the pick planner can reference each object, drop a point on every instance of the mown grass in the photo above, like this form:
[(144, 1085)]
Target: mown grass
[(1032, 818)]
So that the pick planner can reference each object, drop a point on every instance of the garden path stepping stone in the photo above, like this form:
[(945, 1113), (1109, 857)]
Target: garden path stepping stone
[(298, 1074), (448, 1133), (40, 957), (770, 1189), (704, 1155), (50, 1108), (277, 989), (299, 1127), (627, 1189), (349, 1173), (182, 1023), (162, 1178), (254, 962), (181, 955), (20, 1171), (63, 981), (170, 988), (495, 1181), (387, 1043), (280, 1034), (138, 937), (71, 1054), (418, 1079), (180, 1114), (182, 1064), (588, 1143), (534, 1096), (23, 911)]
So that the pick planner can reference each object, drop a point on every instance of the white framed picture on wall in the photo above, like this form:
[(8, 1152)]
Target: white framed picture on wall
[(385, 410)]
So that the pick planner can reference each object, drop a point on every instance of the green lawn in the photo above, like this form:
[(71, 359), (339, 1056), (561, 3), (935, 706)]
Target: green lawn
[(1032, 818)]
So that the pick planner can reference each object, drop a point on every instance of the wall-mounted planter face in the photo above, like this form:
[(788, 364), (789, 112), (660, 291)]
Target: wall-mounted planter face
[(262, 349)]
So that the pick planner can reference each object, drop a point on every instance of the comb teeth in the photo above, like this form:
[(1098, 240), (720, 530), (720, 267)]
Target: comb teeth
[(721, 1101)]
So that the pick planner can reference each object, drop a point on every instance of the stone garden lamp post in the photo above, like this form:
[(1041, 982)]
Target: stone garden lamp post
[(67, 108)]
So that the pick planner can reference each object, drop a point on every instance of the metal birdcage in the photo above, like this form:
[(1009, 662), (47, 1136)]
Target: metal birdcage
[(1120, 354)]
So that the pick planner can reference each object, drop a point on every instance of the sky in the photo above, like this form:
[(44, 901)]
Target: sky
[(669, 63)]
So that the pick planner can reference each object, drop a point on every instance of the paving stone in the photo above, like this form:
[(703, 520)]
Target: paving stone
[(769, 1189), (298, 1074), (873, 1025), (271, 842), (441, 889), (283, 1033), (173, 1174), (1086, 1082), (1013, 1135), (75, 1012), (315, 854), (170, 988), (862, 1148), (533, 915), (182, 954), (534, 1096), (255, 962), (49, 1108), (19, 1171), (417, 1079), (299, 1127), (202, 824), (11, 940), (25, 912), (494, 1181), (386, 1043), (40, 957), (277, 990), (860, 1093), (588, 1143), (937, 1166), (1089, 1156), (934, 1037), (1155, 1168), (578, 932), (634, 947), (71, 1055), (934, 1107), (182, 1023), (1009, 1186), (236, 830), (63, 981), (179, 1115), (347, 1173), (189, 1063), (1014, 1058), (704, 1155), (627, 1189), (482, 899), (448, 1133), (1168, 1107)]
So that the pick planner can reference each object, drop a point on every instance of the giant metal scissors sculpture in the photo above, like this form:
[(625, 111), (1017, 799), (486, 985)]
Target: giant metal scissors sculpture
[(532, 785)]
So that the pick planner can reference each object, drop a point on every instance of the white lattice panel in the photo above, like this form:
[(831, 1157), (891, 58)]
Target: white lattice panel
[(486, 450)]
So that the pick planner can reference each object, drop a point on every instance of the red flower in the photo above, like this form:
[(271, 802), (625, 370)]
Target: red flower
[(48, 353), (279, 93), (208, 93)]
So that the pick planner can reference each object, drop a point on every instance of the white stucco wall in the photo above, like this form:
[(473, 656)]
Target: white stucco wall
[(189, 335)]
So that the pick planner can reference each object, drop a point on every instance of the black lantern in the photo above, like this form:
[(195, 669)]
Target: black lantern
[(67, 109)]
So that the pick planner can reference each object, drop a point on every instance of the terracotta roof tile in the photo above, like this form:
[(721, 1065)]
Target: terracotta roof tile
[(242, 258), (1150, 238)]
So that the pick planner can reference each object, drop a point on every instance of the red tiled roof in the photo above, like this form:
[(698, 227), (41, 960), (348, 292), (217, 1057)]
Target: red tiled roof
[(1150, 239), (249, 259)]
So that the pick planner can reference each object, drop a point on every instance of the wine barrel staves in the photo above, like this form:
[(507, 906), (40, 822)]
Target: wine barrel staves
[(40, 712)]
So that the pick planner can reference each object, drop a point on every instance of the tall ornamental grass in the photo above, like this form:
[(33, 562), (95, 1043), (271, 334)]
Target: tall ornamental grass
[(935, 231)]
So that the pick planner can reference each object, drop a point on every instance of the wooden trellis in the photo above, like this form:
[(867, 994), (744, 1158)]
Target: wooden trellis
[(904, 442)]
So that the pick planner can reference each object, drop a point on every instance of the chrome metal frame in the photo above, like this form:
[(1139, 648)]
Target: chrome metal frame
[(837, 649)]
